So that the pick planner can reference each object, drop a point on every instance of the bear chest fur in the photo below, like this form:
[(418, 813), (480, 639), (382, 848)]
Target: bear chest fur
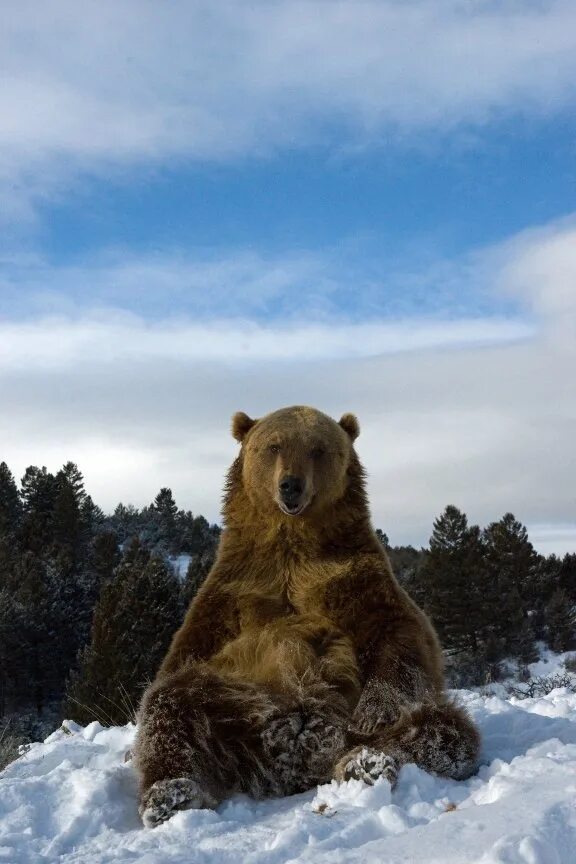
[(283, 629)]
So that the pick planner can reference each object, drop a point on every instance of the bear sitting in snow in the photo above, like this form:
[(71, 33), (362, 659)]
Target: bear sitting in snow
[(301, 659)]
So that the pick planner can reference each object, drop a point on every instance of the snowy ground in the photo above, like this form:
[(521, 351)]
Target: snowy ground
[(73, 799)]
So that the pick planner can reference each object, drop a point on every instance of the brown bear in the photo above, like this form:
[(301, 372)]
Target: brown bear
[(301, 659)]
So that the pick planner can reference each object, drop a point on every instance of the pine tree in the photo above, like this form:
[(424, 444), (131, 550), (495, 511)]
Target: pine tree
[(10, 506), (560, 622), (38, 492), (73, 477), (513, 569), (105, 556), (67, 533), (196, 534), (519, 641), (92, 520), (546, 581), (198, 569), (137, 613), (59, 559), (102, 558), (407, 565), (125, 521), (567, 576), (453, 582), (38, 654), (72, 608), (164, 513), (202, 541), (10, 520), (383, 538), (12, 660)]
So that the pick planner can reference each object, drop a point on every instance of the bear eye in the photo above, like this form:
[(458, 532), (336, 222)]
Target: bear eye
[(274, 448), (317, 452)]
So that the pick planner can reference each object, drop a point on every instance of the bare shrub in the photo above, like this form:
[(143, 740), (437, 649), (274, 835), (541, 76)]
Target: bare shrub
[(542, 685), (9, 747), (523, 674)]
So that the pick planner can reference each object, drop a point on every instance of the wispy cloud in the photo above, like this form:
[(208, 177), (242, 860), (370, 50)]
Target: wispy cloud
[(57, 343), (241, 282), (289, 289), (110, 87)]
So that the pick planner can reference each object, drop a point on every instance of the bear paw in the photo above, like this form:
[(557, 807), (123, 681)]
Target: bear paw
[(318, 735), (301, 750), (297, 733), (280, 735), (166, 797), (367, 765)]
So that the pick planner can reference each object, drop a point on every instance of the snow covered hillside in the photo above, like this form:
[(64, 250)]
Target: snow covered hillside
[(72, 800)]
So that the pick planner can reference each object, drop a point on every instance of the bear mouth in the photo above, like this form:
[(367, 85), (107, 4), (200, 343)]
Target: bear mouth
[(292, 509)]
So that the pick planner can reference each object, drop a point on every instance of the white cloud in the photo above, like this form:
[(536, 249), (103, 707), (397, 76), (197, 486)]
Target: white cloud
[(243, 282), (290, 288), (489, 427), (541, 266), (109, 85), (54, 344), (553, 539)]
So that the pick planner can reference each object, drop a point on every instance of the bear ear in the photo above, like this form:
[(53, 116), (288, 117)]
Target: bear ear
[(350, 424), (241, 425)]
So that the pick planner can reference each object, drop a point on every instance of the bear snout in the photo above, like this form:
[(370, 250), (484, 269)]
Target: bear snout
[(291, 491)]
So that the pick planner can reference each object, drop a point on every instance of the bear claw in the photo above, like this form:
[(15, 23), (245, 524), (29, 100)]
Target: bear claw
[(166, 797), (367, 765), (297, 732)]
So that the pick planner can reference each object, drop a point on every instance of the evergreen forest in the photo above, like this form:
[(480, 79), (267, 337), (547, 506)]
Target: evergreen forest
[(89, 601)]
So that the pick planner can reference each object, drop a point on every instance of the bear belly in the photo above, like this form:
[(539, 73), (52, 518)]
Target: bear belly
[(291, 650)]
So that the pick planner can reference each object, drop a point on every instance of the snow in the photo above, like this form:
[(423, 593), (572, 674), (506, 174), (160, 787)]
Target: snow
[(72, 800), (180, 564), (548, 663)]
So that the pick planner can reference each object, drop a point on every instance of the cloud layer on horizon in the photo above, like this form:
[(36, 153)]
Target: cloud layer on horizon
[(488, 426)]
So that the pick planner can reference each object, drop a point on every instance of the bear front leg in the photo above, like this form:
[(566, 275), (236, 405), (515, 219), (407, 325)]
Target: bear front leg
[(437, 736), (304, 739), (300, 749), (382, 701)]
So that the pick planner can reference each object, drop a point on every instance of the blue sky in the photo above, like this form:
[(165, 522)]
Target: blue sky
[(243, 205), (398, 198), (381, 213)]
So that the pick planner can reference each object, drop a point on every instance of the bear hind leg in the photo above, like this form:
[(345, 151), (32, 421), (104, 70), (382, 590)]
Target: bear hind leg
[(174, 774), (199, 742)]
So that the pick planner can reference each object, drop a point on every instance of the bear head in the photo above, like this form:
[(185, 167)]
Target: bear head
[(296, 459)]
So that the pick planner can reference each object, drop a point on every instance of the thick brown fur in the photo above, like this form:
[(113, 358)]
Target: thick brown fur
[(301, 658)]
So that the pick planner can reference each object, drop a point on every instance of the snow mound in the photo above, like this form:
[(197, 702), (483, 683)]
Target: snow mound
[(72, 800)]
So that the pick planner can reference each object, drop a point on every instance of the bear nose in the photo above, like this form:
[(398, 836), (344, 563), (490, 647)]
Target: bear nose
[(291, 487)]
